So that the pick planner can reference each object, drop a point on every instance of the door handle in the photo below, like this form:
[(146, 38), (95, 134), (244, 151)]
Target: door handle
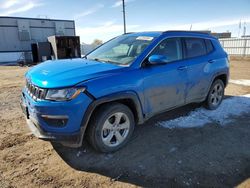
[(211, 61), (182, 68)]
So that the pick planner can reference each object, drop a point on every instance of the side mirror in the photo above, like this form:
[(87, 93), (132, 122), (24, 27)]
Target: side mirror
[(158, 59)]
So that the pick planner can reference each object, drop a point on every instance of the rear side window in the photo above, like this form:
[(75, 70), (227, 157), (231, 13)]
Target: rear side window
[(195, 47), (209, 45)]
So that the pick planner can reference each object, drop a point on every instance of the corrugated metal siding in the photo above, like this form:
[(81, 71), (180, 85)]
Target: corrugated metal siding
[(236, 46), (38, 29)]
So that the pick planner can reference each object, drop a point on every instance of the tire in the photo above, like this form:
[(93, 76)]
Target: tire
[(215, 95), (110, 128)]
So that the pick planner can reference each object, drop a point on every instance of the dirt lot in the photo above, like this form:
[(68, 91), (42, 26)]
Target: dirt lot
[(209, 156)]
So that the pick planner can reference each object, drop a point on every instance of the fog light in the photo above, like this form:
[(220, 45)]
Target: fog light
[(55, 121)]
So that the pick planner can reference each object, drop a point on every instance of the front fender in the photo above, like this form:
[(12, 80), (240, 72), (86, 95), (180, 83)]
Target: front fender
[(111, 98)]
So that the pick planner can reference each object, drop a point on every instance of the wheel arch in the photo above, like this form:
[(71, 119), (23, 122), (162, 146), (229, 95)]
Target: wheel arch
[(128, 98), (223, 77)]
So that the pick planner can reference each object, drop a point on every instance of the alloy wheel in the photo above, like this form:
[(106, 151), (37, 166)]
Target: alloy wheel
[(216, 94), (115, 129)]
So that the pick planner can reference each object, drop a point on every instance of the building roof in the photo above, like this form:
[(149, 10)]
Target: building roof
[(12, 17)]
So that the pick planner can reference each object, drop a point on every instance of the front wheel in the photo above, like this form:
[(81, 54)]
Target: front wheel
[(111, 127), (215, 95)]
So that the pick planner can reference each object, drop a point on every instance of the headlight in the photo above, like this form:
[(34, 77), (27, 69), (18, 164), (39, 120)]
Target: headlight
[(63, 94)]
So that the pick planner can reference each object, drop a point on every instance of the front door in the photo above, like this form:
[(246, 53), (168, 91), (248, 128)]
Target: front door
[(164, 85)]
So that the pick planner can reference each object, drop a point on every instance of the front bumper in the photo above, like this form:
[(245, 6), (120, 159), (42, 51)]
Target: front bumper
[(71, 133), (73, 140)]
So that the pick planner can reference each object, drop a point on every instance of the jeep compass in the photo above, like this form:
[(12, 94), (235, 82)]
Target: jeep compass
[(123, 83)]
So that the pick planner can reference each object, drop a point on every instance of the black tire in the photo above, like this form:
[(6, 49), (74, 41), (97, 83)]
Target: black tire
[(97, 130), (212, 102)]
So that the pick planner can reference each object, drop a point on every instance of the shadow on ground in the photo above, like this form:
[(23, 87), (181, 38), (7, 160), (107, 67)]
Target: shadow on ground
[(210, 156)]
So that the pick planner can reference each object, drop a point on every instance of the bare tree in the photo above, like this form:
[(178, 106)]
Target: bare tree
[(97, 42)]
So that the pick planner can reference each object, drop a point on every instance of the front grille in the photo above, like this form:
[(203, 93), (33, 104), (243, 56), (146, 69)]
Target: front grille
[(34, 91)]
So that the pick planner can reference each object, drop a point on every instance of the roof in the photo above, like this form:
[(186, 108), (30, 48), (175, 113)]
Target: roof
[(147, 33), (173, 33), (189, 33)]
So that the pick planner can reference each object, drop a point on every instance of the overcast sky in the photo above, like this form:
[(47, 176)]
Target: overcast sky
[(102, 19)]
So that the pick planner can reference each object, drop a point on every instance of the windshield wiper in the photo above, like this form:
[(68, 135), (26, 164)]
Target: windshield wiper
[(104, 60)]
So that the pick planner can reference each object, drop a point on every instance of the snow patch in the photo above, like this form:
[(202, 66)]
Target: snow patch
[(233, 106), (240, 82)]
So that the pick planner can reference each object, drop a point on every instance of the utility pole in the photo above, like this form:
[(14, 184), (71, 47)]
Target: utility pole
[(191, 27), (124, 17), (244, 30), (239, 29)]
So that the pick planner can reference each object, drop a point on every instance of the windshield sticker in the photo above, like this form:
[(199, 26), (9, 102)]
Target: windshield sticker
[(144, 38)]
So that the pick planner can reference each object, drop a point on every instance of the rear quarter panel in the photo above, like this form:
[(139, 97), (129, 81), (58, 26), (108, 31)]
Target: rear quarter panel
[(221, 63)]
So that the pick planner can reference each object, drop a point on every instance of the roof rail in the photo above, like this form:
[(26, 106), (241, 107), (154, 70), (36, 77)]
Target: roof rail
[(199, 32)]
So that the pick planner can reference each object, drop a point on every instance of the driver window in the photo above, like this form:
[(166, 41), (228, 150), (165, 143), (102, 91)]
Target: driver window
[(171, 48)]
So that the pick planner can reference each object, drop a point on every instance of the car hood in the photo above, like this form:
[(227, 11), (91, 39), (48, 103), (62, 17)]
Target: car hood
[(66, 73)]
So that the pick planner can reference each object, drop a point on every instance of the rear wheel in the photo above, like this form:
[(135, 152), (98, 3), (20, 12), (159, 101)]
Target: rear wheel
[(215, 95), (111, 127)]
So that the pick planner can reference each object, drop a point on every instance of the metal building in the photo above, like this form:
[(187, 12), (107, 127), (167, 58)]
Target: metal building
[(222, 35), (17, 34)]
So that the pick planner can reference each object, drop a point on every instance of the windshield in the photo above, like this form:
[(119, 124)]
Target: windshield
[(121, 50)]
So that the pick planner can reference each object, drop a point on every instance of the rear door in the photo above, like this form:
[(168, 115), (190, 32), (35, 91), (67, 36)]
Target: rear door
[(197, 61), (164, 84)]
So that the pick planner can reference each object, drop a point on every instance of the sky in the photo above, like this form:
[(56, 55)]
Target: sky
[(102, 19)]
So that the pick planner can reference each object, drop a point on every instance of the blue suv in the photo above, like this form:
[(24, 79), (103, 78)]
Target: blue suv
[(122, 83)]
